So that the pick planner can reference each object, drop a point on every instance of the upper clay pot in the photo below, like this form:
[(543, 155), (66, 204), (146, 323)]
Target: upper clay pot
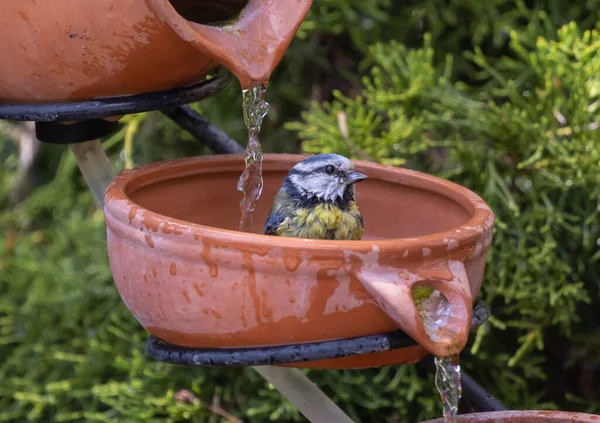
[(524, 416), (64, 50), (192, 280)]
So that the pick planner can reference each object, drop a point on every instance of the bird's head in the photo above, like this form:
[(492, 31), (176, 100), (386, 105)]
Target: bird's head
[(326, 177)]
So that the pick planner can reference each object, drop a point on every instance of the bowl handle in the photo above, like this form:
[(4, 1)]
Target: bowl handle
[(393, 292)]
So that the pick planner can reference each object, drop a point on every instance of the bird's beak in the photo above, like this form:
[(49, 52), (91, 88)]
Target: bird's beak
[(354, 177)]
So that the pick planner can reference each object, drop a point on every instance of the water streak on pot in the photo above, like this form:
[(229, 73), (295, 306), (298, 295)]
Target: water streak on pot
[(213, 269)]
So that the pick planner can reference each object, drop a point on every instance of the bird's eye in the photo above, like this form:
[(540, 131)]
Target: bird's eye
[(329, 169)]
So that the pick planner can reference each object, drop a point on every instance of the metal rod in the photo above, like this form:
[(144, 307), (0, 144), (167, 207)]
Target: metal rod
[(304, 394), (297, 388), (477, 397), (94, 166), (209, 134), (273, 355)]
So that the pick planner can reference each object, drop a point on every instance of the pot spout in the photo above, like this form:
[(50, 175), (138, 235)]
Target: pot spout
[(251, 46)]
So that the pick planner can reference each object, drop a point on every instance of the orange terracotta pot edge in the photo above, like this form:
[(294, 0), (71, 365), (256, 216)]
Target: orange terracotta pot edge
[(482, 221), (524, 416)]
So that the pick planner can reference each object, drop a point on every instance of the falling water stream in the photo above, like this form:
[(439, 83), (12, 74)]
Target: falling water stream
[(448, 384), (250, 184), (435, 311)]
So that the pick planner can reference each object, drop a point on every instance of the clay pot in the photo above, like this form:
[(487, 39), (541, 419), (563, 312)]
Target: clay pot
[(63, 50), (191, 279), (524, 416)]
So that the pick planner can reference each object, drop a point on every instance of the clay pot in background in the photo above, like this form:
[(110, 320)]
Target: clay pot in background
[(192, 280), (68, 50), (524, 416)]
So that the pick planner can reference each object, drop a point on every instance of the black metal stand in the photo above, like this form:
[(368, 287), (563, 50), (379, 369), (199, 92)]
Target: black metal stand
[(281, 354), (473, 394), (203, 130), (291, 353), (116, 106), (77, 122)]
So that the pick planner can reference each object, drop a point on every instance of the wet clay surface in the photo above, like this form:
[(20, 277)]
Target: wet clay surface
[(196, 282), (525, 416), (55, 51)]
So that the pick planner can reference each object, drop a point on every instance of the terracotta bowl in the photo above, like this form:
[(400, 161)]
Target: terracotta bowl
[(524, 416), (192, 280)]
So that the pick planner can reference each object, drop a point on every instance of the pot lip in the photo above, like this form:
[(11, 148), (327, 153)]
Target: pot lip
[(547, 415), (481, 221)]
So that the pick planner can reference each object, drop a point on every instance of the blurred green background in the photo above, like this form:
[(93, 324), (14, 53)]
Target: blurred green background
[(500, 96)]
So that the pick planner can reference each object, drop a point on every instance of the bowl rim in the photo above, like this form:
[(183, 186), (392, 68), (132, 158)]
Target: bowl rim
[(481, 221), (529, 415)]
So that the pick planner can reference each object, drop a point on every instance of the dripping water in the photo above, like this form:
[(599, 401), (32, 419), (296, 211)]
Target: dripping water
[(435, 311), (250, 183), (448, 384)]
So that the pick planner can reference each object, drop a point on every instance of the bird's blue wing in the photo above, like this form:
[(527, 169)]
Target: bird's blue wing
[(275, 219)]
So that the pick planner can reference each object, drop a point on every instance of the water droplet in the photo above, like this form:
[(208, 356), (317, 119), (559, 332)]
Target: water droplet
[(434, 310), (250, 184)]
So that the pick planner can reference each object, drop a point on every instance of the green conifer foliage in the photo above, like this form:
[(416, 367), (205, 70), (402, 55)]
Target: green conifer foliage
[(525, 140), (500, 97)]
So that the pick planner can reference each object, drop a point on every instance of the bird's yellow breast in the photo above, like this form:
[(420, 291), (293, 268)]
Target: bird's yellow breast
[(324, 221)]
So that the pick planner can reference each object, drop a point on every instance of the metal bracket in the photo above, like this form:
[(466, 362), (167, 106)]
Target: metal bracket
[(81, 131), (116, 106), (197, 125), (294, 353)]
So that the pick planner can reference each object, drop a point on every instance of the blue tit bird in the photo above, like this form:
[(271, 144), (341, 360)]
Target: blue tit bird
[(317, 201)]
